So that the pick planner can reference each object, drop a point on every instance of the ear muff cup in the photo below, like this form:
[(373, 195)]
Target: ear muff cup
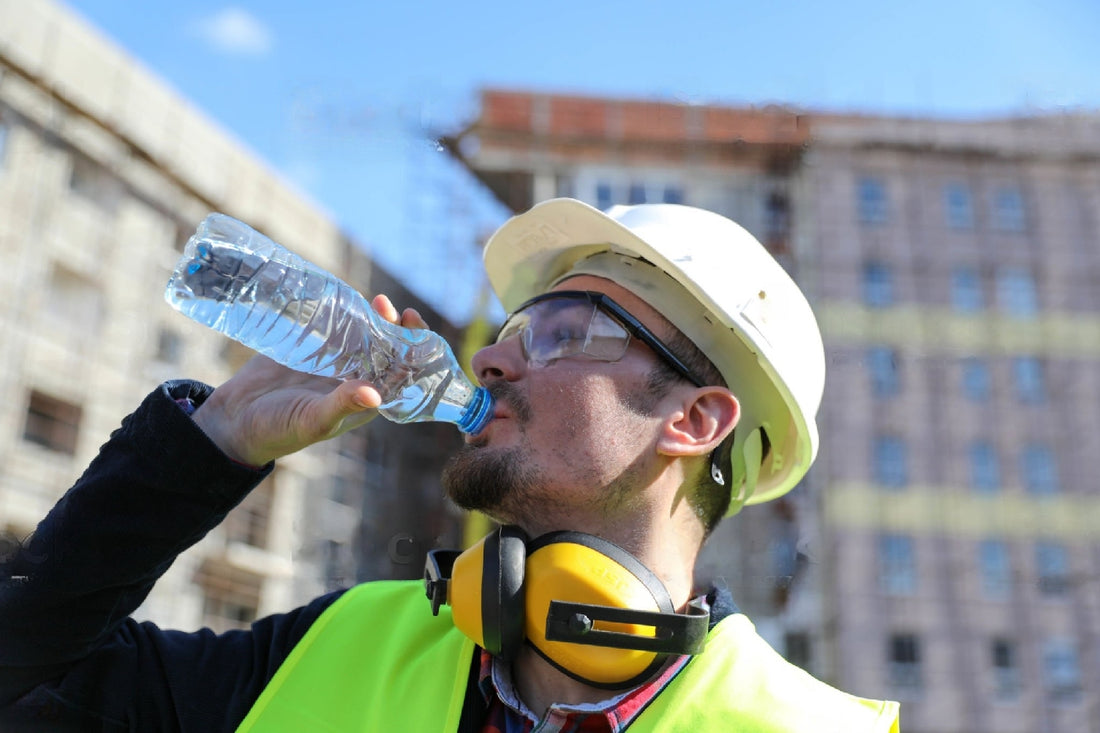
[(487, 596), (578, 568)]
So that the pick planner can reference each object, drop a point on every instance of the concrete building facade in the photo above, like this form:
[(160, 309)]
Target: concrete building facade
[(954, 266), (943, 550), (104, 173)]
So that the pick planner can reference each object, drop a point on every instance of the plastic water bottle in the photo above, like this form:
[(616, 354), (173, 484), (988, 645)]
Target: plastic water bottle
[(242, 284)]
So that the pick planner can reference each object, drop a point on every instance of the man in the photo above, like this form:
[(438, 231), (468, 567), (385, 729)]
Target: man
[(659, 370)]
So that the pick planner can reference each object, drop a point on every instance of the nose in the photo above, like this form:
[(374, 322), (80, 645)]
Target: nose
[(502, 360)]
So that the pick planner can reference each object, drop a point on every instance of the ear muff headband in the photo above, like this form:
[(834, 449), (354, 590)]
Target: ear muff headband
[(502, 593)]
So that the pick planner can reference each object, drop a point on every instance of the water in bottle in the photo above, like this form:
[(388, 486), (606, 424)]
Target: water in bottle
[(242, 284)]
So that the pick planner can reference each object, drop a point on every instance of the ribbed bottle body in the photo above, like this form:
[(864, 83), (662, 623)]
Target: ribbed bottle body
[(240, 283)]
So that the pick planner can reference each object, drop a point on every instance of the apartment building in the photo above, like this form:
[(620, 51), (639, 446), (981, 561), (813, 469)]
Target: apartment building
[(954, 266), (943, 550), (104, 174)]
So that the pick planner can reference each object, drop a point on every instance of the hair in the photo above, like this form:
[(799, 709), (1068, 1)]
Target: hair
[(709, 500)]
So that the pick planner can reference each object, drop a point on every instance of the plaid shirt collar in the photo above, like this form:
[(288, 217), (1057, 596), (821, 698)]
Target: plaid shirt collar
[(509, 714)]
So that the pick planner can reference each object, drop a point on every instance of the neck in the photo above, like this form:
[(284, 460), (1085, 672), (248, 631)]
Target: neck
[(541, 685)]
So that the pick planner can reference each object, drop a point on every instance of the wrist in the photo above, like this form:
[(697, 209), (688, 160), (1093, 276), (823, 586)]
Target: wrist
[(210, 422)]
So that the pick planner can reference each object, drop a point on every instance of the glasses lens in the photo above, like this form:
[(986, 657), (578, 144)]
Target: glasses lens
[(561, 327), (607, 339)]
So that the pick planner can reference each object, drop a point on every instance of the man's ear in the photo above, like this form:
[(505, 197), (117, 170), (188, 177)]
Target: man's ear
[(706, 416)]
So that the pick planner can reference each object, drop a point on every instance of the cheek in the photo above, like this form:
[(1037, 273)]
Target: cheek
[(589, 419)]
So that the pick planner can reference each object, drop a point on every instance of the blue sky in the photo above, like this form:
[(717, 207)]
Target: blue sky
[(344, 98)]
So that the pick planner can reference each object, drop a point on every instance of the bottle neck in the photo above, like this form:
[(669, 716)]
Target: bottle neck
[(478, 412)]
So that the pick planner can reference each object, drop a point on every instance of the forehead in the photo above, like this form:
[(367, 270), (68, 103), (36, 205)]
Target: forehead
[(634, 305)]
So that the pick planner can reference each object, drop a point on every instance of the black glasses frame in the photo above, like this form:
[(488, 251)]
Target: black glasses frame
[(633, 326)]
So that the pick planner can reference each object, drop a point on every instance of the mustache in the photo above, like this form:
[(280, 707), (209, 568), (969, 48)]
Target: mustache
[(507, 393)]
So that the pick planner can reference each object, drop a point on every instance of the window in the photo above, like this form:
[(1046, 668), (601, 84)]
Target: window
[(958, 206), (1052, 567), (977, 382), (882, 365), (798, 650), (1016, 293), (609, 193), (1027, 372), (994, 567), (248, 522), (891, 466), (604, 198), (1061, 670), (878, 285), (169, 346), (897, 567), (52, 423), (966, 290), (225, 609), (777, 214), (91, 181), (1008, 209), (1006, 669), (985, 470), (231, 595), (673, 195), (904, 661), (871, 201), (1038, 468), (564, 186)]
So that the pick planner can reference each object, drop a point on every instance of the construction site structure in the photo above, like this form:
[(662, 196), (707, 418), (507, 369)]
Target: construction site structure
[(944, 550)]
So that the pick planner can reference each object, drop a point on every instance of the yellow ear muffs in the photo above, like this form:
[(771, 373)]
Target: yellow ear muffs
[(587, 606)]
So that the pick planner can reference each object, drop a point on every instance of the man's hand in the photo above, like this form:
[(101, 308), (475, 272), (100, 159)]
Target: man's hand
[(265, 410)]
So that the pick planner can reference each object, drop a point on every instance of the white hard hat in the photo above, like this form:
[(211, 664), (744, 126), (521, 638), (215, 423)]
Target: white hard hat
[(719, 286)]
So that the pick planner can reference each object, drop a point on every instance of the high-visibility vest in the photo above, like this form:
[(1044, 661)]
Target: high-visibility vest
[(377, 661)]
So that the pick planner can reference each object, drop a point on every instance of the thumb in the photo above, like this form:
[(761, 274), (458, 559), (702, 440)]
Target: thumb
[(352, 404)]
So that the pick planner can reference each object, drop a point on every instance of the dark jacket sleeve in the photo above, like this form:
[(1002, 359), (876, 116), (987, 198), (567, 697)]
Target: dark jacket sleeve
[(70, 656)]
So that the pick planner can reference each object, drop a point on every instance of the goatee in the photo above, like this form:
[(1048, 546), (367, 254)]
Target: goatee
[(486, 479)]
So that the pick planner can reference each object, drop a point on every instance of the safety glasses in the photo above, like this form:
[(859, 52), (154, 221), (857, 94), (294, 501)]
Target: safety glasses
[(569, 323)]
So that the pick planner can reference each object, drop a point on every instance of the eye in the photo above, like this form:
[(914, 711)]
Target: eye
[(568, 332)]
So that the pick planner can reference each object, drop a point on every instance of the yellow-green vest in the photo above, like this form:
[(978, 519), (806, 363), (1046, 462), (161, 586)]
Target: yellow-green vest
[(377, 661)]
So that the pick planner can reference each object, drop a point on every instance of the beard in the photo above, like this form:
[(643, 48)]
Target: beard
[(480, 478)]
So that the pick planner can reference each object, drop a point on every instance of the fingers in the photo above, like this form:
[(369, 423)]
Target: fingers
[(410, 317), (267, 410), (384, 307)]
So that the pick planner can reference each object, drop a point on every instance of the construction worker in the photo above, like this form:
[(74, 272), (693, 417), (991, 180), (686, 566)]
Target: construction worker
[(658, 371)]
